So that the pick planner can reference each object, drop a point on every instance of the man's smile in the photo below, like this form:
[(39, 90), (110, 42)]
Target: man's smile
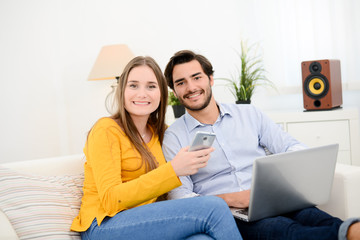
[(193, 95)]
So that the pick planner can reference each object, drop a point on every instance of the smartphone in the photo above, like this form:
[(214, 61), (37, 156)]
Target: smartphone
[(202, 140)]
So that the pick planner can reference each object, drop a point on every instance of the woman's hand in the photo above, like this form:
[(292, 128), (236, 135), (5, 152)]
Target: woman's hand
[(187, 163)]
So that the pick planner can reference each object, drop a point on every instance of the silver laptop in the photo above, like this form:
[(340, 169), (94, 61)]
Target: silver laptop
[(290, 181)]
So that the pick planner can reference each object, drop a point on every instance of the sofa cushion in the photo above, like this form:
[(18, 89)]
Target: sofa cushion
[(40, 207)]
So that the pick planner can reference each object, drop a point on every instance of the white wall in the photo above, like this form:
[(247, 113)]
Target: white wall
[(47, 49)]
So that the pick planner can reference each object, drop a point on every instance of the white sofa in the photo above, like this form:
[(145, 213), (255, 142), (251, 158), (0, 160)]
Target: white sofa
[(344, 202), (43, 170)]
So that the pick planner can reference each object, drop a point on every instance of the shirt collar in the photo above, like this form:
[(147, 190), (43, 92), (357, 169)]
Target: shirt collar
[(192, 123), (224, 110)]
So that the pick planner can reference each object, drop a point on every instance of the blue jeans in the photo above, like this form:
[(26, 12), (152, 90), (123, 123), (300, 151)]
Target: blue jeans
[(308, 223), (191, 218)]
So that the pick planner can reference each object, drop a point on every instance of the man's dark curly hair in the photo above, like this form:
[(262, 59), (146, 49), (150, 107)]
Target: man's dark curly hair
[(185, 56)]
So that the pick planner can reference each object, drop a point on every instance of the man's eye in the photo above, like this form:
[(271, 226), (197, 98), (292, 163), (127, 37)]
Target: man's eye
[(197, 78), (179, 83)]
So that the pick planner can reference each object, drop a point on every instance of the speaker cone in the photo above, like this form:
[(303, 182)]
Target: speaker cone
[(316, 86), (315, 67)]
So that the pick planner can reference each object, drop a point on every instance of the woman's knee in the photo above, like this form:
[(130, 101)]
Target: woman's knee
[(216, 204), (216, 201)]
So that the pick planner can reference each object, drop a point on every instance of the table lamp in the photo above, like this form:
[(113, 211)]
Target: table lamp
[(109, 65)]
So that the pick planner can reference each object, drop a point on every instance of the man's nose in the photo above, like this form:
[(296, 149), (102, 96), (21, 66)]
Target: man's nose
[(191, 86)]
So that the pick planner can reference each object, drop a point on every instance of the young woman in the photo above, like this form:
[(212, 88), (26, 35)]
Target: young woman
[(126, 173)]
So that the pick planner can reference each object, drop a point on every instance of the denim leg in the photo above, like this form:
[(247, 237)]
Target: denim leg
[(200, 236), (173, 219), (308, 223)]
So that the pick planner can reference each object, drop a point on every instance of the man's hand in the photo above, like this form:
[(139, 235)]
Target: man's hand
[(237, 199)]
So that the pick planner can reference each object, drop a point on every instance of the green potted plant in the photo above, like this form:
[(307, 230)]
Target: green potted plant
[(250, 75), (177, 107)]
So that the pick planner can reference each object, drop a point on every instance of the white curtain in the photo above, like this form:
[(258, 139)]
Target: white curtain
[(293, 31)]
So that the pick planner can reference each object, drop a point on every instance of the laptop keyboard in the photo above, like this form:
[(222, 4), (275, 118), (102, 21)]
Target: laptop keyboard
[(244, 211)]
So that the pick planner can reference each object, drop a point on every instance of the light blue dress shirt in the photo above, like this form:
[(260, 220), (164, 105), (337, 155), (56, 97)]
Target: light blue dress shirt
[(241, 132)]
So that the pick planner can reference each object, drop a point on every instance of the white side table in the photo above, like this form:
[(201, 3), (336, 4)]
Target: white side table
[(316, 128)]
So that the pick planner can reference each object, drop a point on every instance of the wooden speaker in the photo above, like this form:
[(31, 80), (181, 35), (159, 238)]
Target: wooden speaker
[(321, 84)]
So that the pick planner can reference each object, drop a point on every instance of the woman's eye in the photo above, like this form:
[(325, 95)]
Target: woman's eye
[(133, 86)]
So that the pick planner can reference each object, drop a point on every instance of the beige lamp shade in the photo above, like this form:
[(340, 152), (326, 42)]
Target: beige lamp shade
[(110, 62)]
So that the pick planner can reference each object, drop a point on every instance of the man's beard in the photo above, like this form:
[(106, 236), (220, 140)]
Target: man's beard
[(204, 105)]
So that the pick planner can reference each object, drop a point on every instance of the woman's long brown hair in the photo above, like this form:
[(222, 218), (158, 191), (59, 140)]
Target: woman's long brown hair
[(156, 119)]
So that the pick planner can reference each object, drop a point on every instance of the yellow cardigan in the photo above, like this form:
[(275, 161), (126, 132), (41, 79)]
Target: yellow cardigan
[(109, 186)]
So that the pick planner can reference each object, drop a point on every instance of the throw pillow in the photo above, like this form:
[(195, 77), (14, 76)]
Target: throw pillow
[(40, 207)]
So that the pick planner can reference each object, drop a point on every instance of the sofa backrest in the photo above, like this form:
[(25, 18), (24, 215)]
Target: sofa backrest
[(72, 164)]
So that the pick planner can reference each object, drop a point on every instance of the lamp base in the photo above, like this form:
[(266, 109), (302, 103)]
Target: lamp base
[(110, 103)]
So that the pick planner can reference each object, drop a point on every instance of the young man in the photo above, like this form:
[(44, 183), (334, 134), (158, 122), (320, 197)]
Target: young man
[(242, 132)]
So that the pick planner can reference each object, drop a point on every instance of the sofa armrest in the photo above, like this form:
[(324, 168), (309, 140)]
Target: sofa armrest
[(345, 194), (6, 229)]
